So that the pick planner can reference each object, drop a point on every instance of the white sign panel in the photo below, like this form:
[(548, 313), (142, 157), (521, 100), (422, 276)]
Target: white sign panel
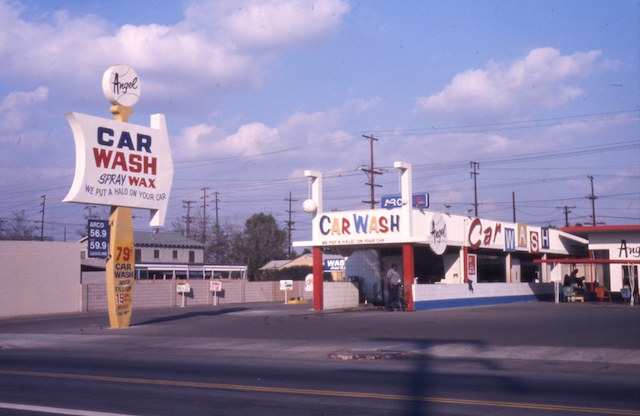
[(359, 227), (183, 288), (122, 164), (438, 239), (286, 284)]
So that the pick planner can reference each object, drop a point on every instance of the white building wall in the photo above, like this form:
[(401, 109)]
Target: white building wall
[(38, 277), (339, 295), (618, 250), (166, 255), (453, 268)]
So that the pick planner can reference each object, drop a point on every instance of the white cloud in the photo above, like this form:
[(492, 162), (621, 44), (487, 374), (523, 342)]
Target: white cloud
[(56, 49), (216, 44), (296, 139), (268, 24), (17, 107), (362, 105), (250, 139), (544, 78)]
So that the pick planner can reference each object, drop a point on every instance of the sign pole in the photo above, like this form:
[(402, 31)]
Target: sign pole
[(122, 166), (121, 263)]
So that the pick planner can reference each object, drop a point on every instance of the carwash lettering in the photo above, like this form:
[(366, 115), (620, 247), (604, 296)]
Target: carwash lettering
[(126, 154), (359, 224)]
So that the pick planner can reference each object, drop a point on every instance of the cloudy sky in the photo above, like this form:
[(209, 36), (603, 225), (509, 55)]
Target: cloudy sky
[(541, 94)]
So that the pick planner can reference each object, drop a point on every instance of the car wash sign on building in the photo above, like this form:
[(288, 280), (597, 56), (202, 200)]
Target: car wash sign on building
[(359, 227)]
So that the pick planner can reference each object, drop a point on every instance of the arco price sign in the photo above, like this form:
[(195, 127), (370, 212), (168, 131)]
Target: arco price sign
[(98, 239)]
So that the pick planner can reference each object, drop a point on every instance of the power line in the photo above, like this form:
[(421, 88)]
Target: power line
[(433, 130)]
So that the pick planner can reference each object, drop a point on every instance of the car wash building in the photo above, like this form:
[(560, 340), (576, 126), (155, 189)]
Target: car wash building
[(444, 260)]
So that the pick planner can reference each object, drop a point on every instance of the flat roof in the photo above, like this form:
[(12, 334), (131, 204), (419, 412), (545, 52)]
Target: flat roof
[(596, 229)]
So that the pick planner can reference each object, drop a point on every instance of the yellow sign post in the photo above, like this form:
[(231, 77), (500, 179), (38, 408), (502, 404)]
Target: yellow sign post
[(121, 262)]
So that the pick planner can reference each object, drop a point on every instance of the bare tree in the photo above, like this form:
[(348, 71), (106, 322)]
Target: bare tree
[(20, 228)]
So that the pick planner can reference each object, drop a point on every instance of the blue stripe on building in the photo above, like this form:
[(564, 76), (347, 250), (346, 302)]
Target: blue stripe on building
[(467, 302)]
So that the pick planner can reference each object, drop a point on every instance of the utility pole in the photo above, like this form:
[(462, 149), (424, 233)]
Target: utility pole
[(187, 204), (475, 166), (371, 172), (90, 209), (204, 214), (567, 211), (593, 198), (513, 204), (42, 221), (290, 223), (217, 225)]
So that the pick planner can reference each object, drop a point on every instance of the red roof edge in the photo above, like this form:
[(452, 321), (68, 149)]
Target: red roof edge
[(600, 228)]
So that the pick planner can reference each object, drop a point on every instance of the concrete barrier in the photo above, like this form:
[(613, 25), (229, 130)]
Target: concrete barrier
[(439, 296)]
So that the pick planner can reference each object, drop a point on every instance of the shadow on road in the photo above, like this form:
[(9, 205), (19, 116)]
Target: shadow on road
[(188, 315), (423, 389)]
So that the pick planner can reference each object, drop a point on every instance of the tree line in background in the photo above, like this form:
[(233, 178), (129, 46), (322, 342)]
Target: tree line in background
[(19, 227), (259, 242)]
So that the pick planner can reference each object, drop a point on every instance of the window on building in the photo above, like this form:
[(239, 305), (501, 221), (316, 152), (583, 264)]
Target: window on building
[(175, 254), (602, 272), (192, 256), (138, 255), (156, 254)]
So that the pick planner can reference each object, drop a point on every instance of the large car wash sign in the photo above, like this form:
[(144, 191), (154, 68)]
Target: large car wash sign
[(361, 227), (122, 164)]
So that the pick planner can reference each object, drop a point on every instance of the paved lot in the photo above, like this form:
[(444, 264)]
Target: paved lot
[(580, 332)]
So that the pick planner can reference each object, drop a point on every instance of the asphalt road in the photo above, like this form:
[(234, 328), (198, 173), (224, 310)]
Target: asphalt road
[(274, 359)]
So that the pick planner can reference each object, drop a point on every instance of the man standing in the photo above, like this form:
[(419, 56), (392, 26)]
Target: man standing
[(393, 282)]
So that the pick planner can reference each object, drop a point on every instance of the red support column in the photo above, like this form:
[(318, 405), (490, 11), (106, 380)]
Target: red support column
[(318, 267), (465, 272), (409, 272)]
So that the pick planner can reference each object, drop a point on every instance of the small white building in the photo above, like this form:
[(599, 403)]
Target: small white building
[(614, 254), (152, 247), (164, 255)]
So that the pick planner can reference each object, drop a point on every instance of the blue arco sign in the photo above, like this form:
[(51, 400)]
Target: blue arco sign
[(420, 200)]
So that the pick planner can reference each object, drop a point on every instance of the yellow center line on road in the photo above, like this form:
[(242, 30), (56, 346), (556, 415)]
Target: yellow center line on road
[(326, 393)]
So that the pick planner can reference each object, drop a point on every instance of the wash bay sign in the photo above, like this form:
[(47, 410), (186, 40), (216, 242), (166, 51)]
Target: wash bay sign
[(122, 164)]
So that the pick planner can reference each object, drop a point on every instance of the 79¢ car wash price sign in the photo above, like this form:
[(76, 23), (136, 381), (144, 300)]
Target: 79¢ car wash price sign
[(121, 289), (98, 241)]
